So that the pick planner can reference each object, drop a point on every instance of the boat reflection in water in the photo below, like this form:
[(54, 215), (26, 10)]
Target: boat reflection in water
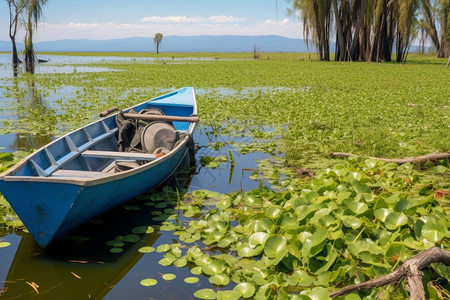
[(82, 266)]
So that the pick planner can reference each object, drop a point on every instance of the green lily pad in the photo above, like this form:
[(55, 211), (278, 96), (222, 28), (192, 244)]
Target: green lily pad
[(191, 280), (169, 276), (275, 246), (131, 238), (116, 250), (245, 289), (146, 249), (228, 295), (395, 220), (205, 294), (149, 282), (219, 279), (163, 248), (258, 238), (166, 261), (143, 229), (216, 267), (434, 232), (4, 244), (115, 243)]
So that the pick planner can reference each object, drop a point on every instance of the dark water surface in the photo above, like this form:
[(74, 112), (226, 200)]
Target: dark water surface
[(82, 266)]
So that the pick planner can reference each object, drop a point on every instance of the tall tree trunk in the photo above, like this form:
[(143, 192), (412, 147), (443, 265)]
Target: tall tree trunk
[(15, 57), (29, 52), (355, 48), (340, 53)]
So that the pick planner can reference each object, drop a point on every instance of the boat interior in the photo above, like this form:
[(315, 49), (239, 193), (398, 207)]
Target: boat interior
[(91, 151)]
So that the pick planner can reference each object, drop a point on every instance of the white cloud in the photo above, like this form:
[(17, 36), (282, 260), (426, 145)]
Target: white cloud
[(184, 19), (171, 19), (277, 23), (225, 19)]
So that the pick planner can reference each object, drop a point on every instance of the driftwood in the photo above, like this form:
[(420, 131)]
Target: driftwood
[(429, 157), (409, 270)]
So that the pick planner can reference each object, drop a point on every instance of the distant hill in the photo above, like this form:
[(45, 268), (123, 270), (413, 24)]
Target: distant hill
[(202, 43)]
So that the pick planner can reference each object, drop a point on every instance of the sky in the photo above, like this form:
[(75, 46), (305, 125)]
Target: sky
[(111, 19)]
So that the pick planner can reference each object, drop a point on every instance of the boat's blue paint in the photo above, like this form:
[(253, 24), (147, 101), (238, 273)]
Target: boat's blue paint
[(50, 205)]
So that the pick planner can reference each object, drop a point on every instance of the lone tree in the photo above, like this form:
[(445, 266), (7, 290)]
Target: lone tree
[(16, 8), (158, 40)]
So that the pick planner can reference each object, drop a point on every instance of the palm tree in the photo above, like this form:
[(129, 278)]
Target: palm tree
[(158, 40), (34, 14)]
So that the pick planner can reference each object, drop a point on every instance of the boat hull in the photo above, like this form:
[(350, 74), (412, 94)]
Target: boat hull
[(51, 206)]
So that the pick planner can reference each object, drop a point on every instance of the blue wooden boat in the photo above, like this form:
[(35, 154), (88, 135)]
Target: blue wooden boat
[(74, 178)]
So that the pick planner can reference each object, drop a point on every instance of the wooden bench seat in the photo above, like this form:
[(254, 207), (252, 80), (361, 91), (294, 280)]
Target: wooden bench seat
[(79, 174), (118, 155)]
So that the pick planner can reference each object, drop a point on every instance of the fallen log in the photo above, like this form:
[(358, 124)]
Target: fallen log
[(429, 157), (409, 270)]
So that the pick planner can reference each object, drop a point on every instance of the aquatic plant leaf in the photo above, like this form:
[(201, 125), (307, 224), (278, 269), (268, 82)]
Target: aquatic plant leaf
[(246, 252), (191, 280), (245, 289), (4, 244), (258, 238), (273, 212), (356, 206), (148, 282), (131, 238), (275, 246), (216, 267), (180, 262), (163, 248), (166, 261), (143, 229), (115, 243), (434, 232), (116, 250), (395, 220), (382, 213), (219, 279), (207, 294), (146, 249), (228, 295), (169, 276)]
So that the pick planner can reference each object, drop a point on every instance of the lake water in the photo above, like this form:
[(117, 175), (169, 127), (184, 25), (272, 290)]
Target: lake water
[(82, 266)]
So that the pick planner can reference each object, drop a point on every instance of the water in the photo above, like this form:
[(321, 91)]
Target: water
[(81, 266)]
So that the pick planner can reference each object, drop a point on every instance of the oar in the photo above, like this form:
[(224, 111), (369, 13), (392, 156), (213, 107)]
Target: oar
[(145, 117)]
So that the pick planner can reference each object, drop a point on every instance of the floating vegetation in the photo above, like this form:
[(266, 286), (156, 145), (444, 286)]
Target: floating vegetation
[(294, 236), (4, 244), (149, 282), (169, 276)]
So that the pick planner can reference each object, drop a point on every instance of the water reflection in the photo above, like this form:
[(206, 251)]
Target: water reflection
[(81, 266), (32, 109)]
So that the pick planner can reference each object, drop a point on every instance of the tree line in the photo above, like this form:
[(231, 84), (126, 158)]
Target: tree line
[(371, 30)]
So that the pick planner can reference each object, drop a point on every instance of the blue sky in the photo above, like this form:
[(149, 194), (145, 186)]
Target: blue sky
[(108, 19)]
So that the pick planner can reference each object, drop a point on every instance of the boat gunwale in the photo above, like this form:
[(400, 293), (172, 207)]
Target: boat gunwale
[(81, 181)]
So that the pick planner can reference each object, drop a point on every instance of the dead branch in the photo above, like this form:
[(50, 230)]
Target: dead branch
[(410, 269), (429, 157)]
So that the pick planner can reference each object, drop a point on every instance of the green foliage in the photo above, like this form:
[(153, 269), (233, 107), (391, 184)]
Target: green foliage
[(356, 220)]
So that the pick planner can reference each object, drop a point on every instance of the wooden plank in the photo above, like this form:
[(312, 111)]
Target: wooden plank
[(118, 155), (78, 174), (58, 164)]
